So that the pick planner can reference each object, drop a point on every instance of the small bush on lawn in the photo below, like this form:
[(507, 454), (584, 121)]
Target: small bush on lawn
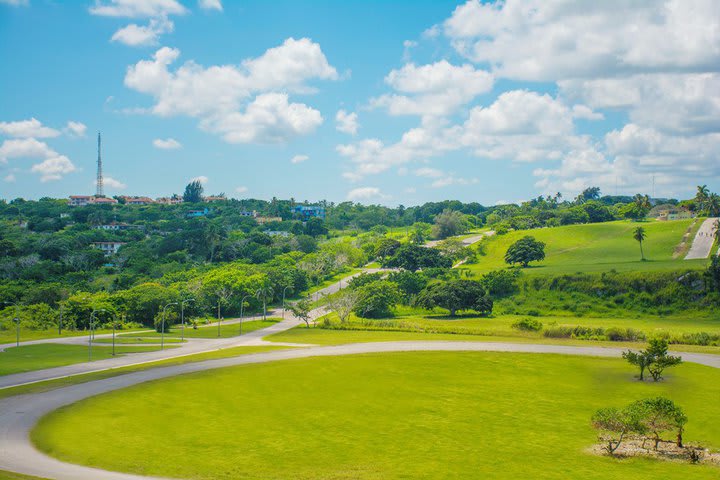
[(528, 325)]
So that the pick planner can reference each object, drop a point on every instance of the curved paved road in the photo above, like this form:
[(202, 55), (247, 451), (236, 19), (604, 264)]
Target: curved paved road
[(19, 414), (703, 241)]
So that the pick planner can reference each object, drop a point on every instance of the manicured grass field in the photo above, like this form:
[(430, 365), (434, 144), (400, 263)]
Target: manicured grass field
[(380, 416), (132, 339), (320, 336), (49, 385), (227, 330), (26, 358), (8, 336), (595, 248), (15, 476)]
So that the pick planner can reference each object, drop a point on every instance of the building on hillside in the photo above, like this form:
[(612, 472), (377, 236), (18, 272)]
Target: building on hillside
[(246, 213), (309, 211), (80, 200), (138, 200), (277, 233), (103, 201), (215, 198), (197, 213), (264, 220), (117, 226), (174, 200), (84, 200), (108, 248)]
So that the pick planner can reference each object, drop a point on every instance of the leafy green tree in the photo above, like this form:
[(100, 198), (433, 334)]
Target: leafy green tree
[(343, 302), (639, 235), (654, 359), (315, 227), (524, 251), (614, 425), (449, 223), (386, 247), (712, 274), (454, 295), (193, 192), (499, 283), (409, 283), (414, 257), (301, 309), (377, 299), (659, 415)]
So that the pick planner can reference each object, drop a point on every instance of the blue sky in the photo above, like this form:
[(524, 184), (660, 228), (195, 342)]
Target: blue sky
[(377, 102)]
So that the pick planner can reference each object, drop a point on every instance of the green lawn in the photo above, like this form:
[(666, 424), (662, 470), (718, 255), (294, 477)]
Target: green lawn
[(15, 476), (138, 338), (502, 324), (227, 330), (320, 336), (380, 416), (26, 358), (49, 385), (595, 248), (8, 336)]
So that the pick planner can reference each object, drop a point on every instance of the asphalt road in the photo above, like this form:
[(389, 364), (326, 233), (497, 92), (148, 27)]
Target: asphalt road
[(19, 414), (704, 239)]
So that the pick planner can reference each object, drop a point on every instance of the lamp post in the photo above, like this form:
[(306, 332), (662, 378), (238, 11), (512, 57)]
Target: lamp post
[(182, 316), (90, 333), (114, 322), (60, 320), (16, 320), (283, 302), (242, 306), (162, 326)]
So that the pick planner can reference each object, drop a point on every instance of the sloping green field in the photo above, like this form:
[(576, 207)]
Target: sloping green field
[(597, 247)]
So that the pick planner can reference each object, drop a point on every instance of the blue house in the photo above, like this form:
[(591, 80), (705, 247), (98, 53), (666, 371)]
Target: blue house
[(197, 213), (309, 211)]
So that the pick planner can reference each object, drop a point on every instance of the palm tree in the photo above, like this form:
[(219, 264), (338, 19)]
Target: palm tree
[(713, 205), (639, 235), (702, 196), (262, 294)]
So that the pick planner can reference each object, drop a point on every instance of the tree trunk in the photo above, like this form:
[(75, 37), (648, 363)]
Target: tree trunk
[(679, 438), (642, 254)]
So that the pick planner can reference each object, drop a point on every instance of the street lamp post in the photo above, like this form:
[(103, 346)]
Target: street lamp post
[(242, 306), (283, 302), (162, 326), (90, 333), (182, 316), (60, 321)]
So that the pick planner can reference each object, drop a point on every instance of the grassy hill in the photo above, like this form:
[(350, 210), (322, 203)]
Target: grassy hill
[(597, 247)]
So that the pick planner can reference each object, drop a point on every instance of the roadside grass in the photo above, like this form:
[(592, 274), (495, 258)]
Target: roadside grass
[(322, 336), (227, 330), (381, 416), (594, 248), (26, 358), (132, 339), (16, 476), (26, 334), (50, 385)]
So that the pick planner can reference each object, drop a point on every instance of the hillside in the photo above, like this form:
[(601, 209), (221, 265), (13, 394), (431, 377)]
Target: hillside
[(597, 247)]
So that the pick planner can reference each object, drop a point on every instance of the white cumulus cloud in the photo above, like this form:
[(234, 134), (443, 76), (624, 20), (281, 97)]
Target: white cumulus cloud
[(211, 5), (202, 179), (135, 35), (75, 129), (113, 183), (53, 168), (137, 8), (27, 128), (346, 122), (299, 158), (365, 193), (166, 144)]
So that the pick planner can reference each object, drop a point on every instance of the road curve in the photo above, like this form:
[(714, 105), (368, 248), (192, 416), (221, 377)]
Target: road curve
[(19, 414), (703, 241)]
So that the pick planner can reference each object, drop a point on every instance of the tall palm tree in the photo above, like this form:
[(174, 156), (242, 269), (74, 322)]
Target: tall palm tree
[(702, 196), (263, 294), (713, 205), (639, 235)]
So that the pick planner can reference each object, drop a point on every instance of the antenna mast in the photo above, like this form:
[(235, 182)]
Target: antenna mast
[(99, 192)]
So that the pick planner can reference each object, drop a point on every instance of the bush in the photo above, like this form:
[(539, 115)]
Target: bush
[(528, 325)]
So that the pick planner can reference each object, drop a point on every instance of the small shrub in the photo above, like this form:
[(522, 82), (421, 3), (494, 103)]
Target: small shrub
[(528, 325)]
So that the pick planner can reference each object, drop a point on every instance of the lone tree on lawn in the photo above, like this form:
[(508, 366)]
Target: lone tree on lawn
[(524, 251), (639, 235), (301, 309), (344, 302), (654, 359), (193, 192)]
